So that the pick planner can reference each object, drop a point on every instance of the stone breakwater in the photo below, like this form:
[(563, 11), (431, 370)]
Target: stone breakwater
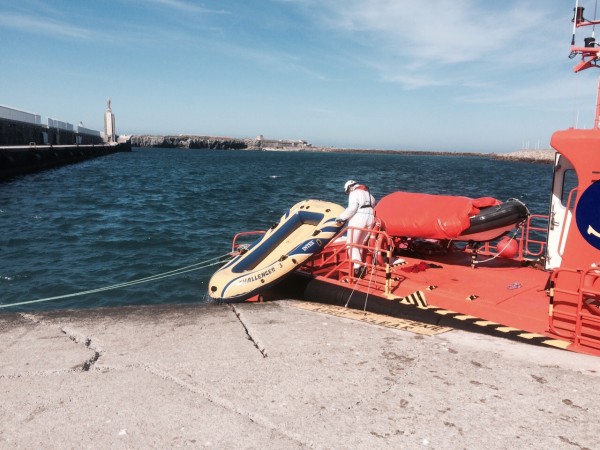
[(226, 143), (537, 156), (188, 141)]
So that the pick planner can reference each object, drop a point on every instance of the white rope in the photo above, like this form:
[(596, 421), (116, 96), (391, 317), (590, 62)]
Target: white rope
[(352, 293), (171, 273), (368, 287), (512, 238), (370, 281)]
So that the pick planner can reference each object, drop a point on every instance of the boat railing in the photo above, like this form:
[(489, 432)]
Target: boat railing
[(336, 254), (236, 246), (535, 235), (568, 211), (334, 260), (574, 313), (531, 237)]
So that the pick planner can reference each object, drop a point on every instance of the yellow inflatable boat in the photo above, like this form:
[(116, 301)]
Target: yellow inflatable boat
[(301, 232)]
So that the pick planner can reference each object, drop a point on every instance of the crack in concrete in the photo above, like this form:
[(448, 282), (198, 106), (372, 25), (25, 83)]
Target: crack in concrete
[(255, 342), (78, 338), (87, 341), (226, 404), (30, 317), (38, 373)]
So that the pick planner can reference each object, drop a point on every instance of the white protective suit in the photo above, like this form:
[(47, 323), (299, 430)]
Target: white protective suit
[(360, 214)]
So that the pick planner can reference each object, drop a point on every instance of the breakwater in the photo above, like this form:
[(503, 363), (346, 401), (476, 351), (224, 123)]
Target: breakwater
[(20, 160), (535, 156), (189, 141), (259, 143)]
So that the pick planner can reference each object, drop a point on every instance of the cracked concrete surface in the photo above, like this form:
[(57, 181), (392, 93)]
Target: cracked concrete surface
[(273, 376)]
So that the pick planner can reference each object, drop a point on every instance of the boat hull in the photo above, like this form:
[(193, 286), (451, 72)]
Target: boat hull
[(417, 308)]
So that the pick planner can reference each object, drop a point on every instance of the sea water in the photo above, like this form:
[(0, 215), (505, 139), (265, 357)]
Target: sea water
[(129, 216)]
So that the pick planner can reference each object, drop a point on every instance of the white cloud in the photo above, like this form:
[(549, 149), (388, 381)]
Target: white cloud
[(44, 26), (186, 6), (438, 42)]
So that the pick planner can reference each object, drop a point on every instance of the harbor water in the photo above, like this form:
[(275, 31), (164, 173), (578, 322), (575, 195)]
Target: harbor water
[(129, 216)]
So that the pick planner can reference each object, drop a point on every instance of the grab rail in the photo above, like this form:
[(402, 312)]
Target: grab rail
[(531, 229), (576, 311), (567, 218), (235, 245)]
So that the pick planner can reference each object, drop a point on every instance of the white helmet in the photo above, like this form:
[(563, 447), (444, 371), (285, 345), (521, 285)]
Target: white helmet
[(348, 185)]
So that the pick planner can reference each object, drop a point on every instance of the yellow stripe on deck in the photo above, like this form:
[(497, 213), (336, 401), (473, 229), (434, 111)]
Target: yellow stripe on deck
[(507, 329), (557, 343), (445, 312), (531, 335), (465, 317), (372, 318)]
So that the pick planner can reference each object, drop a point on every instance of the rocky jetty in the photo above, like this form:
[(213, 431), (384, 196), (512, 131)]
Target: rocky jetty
[(538, 156), (186, 141), (190, 141)]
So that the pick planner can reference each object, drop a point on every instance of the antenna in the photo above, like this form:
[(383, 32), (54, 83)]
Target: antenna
[(577, 16), (590, 51), (594, 26)]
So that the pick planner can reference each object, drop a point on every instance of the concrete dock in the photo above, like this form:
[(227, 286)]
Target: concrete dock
[(275, 375), (21, 160)]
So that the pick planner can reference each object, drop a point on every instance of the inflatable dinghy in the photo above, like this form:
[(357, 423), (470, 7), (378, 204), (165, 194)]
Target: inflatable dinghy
[(429, 216), (492, 222), (301, 232)]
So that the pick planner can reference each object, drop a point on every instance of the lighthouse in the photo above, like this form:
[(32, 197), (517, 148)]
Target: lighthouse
[(109, 124)]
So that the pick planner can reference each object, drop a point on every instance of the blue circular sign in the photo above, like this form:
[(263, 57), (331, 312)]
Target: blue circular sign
[(588, 214)]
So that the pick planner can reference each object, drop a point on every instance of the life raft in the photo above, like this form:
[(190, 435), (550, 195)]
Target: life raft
[(301, 232), (443, 217)]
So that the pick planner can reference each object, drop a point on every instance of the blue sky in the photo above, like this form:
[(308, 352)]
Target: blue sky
[(444, 75)]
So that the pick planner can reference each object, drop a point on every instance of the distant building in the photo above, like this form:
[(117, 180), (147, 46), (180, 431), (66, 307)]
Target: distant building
[(109, 124), (19, 127), (281, 144)]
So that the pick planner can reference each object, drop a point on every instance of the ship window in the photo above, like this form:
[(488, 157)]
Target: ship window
[(569, 184)]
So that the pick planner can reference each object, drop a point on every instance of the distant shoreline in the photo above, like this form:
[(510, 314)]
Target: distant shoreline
[(545, 156)]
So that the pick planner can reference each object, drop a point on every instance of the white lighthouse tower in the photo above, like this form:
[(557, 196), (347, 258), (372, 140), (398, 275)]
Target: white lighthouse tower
[(109, 124)]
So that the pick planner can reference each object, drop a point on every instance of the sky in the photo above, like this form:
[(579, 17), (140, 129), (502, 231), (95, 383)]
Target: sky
[(441, 75)]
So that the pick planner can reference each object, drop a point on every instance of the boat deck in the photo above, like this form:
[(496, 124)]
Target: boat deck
[(500, 291)]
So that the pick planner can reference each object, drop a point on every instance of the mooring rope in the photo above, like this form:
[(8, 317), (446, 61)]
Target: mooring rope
[(197, 266), (368, 287), (351, 293)]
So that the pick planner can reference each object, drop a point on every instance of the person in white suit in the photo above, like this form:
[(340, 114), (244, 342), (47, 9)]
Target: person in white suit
[(359, 214)]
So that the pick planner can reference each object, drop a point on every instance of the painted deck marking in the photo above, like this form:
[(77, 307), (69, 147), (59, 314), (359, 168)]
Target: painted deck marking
[(512, 333), (445, 312), (372, 318), (485, 323), (465, 317), (416, 298), (531, 335), (557, 343), (508, 329)]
